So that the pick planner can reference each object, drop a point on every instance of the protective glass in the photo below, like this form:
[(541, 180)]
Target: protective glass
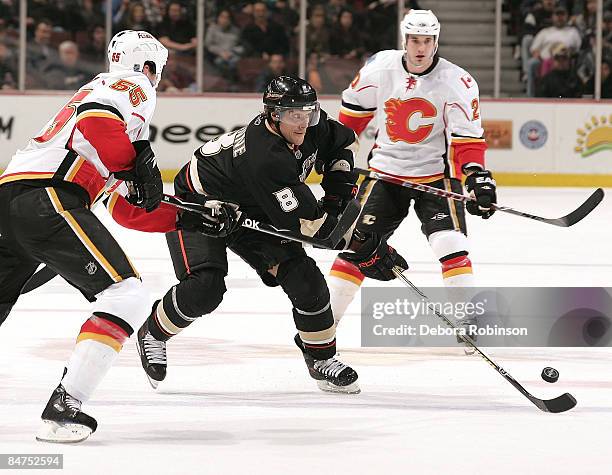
[(294, 116)]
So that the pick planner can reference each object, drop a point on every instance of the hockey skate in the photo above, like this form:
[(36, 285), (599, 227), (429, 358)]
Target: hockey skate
[(331, 374), (152, 355), (63, 420)]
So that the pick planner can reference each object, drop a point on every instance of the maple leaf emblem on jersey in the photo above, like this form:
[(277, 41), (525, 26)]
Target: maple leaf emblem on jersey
[(400, 112), (410, 83)]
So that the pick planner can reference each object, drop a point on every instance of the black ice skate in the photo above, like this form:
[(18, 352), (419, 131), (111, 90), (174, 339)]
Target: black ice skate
[(152, 355), (63, 420), (332, 375)]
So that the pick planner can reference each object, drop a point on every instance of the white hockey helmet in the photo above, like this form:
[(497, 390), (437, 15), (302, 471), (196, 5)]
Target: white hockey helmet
[(130, 50), (420, 22)]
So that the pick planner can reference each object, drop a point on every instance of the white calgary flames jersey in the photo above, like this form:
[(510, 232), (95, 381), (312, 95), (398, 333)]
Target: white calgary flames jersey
[(428, 125), (91, 136)]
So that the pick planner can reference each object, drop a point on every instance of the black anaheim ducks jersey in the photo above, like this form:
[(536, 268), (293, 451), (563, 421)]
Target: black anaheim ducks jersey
[(265, 175)]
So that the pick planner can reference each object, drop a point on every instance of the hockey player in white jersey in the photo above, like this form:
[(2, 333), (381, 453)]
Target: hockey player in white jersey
[(427, 114), (98, 137)]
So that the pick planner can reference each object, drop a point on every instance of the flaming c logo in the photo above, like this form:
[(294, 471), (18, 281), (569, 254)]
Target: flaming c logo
[(399, 114)]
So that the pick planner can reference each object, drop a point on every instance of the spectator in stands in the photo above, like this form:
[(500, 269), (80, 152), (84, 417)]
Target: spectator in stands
[(176, 32), (607, 31), (317, 33), (67, 73), (286, 16), (135, 19), (222, 44), (537, 14), (586, 20), (333, 9), (90, 14), (606, 81), (49, 10), (276, 67), (9, 16), (39, 53), (152, 12), (176, 77), (264, 37), (560, 32), (8, 69), (562, 80), (345, 39), (95, 52)]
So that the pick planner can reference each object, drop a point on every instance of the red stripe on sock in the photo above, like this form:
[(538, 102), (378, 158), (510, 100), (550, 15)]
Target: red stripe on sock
[(319, 347), (456, 262), (101, 326), (340, 265)]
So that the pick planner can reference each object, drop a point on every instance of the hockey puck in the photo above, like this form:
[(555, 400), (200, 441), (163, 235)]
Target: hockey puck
[(550, 375)]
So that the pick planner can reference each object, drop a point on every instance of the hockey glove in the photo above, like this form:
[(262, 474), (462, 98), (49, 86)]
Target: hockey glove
[(144, 180), (218, 218), (481, 185), (374, 257), (340, 188)]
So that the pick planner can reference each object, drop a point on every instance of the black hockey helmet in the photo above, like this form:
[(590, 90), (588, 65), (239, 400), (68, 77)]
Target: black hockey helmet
[(284, 94)]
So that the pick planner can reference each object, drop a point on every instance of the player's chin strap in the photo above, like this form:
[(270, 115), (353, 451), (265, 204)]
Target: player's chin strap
[(562, 403)]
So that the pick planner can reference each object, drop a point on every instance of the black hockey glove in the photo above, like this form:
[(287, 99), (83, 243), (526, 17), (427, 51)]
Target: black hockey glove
[(218, 219), (340, 188), (481, 185), (374, 257), (144, 180)]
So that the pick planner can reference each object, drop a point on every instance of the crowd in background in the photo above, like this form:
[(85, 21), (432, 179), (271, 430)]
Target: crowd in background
[(247, 43), (556, 46)]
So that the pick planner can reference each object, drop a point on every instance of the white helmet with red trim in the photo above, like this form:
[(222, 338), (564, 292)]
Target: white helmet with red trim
[(420, 22), (131, 50)]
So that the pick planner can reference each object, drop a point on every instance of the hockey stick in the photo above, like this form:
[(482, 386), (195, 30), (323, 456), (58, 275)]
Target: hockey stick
[(569, 220), (347, 219), (562, 403)]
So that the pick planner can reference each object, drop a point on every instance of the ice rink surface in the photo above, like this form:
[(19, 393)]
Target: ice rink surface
[(238, 398)]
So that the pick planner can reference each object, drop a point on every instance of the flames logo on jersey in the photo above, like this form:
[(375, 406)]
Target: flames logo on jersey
[(400, 112)]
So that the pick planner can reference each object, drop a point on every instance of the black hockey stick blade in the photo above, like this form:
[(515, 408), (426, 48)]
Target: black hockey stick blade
[(346, 221), (562, 403), (566, 221)]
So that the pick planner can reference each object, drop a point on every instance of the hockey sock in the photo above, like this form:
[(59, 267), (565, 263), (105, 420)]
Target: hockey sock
[(98, 344), (344, 281), (167, 320), (457, 270)]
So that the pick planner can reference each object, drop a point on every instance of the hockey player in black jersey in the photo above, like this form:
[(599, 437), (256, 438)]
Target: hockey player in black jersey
[(262, 168)]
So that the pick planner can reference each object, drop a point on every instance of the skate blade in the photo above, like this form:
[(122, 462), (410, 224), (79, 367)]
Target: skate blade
[(328, 387), (153, 382), (62, 433)]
